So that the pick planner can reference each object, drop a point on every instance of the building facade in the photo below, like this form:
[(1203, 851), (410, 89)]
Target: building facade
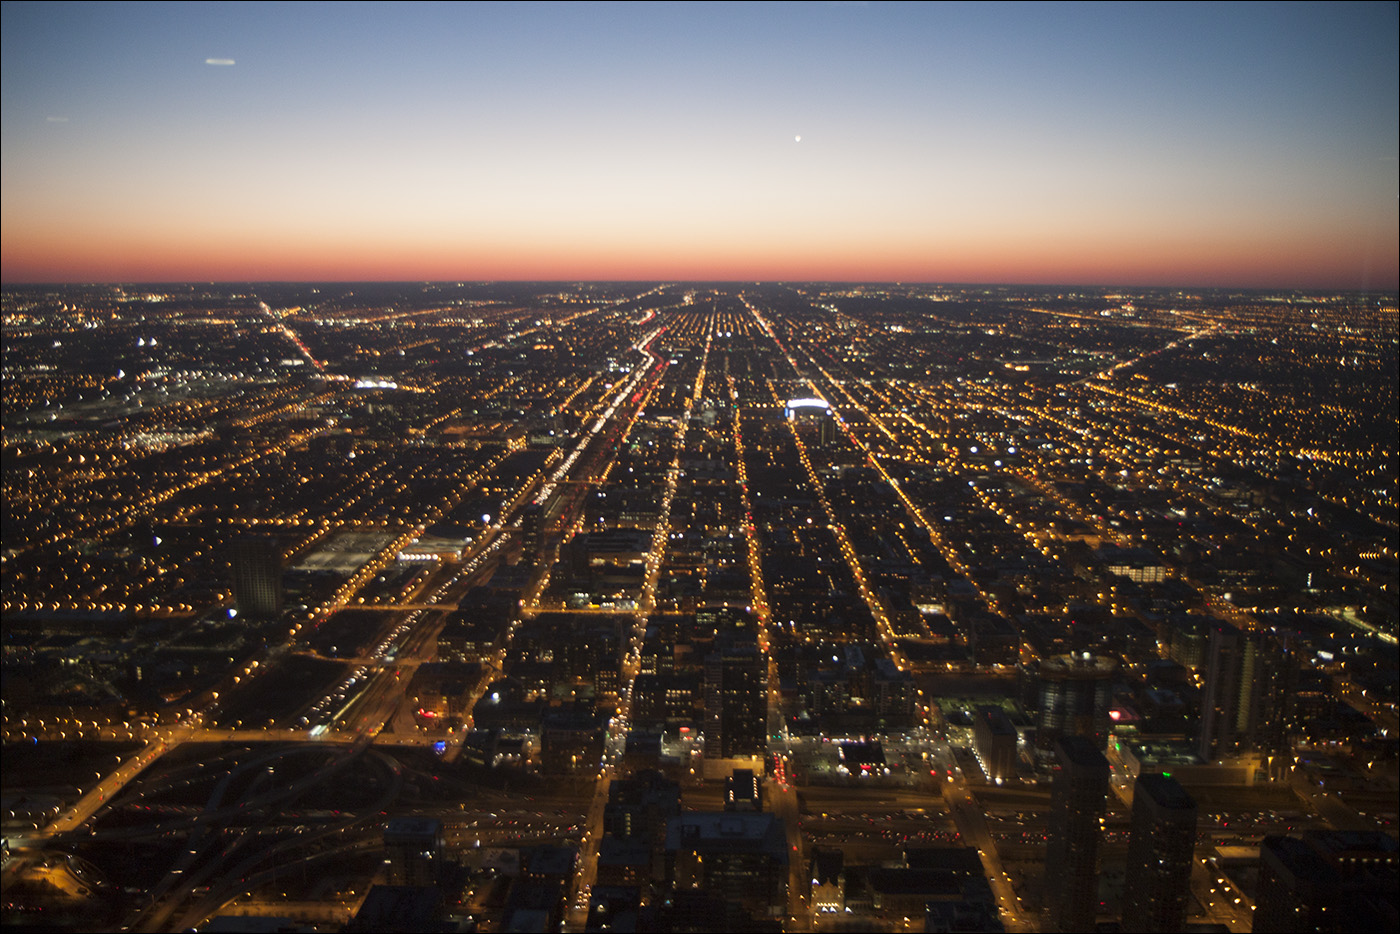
[(1161, 846), (1078, 794)]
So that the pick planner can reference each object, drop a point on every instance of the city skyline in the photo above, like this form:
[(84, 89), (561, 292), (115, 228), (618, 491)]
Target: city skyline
[(567, 602), (1173, 146), (764, 467)]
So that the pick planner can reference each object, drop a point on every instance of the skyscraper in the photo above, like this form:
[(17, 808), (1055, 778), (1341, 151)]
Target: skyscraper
[(1160, 851), (1245, 702), (1075, 691), (256, 565), (1077, 797), (413, 850), (532, 528), (736, 702)]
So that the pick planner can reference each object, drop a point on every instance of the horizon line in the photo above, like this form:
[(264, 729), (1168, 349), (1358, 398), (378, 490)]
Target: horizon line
[(113, 283)]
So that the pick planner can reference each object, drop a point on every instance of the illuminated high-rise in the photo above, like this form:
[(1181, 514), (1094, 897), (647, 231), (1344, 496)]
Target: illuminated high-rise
[(1246, 702), (736, 702), (1077, 798), (256, 566), (1075, 691), (1160, 850)]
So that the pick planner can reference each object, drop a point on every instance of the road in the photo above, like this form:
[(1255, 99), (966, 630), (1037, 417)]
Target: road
[(971, 821)]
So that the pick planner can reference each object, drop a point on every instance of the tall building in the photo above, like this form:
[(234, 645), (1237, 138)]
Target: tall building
[(736, 702), (1161, 847), (256, 565), (994, 739), (532, 528), (413, 850), (1077, 796), (639, 807), (1327, 880), (1189, 634), (739, 856), (1245, 701), (1075, 694)]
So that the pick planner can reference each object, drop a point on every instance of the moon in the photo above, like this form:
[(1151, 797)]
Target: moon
[(797, 138)]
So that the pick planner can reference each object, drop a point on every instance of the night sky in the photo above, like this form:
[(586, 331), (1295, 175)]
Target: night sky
[(1113, 144)]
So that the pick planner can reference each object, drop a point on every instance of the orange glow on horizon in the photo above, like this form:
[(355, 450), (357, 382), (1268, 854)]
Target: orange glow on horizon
[(206, 256)]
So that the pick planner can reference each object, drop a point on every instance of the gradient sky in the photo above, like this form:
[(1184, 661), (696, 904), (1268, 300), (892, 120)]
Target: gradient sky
[(1115, 144)]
